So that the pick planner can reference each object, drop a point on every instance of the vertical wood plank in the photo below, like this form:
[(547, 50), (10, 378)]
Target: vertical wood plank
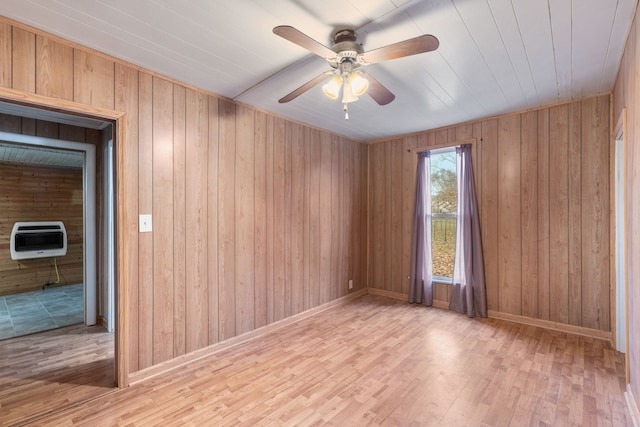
[(270, 218), (23, 61), (9, 123), (325, 218), (510, 237), (385, 259), (315, 214), (441, 292), (197, 296), (54, 69), (376, 212), (595, 214), (544, 290), (335, 218), (409, 165), (348, 234), (345, 221), (395, 255), (559, 213), (477, 160), (489, 211), (162, 208), (212, 226), (306, 146), (260, 218), (73, 133), (145, 206), (226, 219), (47, 129), (28, 126), (280, 223), (529, 209), (287, 218), (245, 222), (575, 215), (93, 79), (297, 219), (452, 134), (463, 132), (6, 48), (363, 187), (179, 221), (343, 261)]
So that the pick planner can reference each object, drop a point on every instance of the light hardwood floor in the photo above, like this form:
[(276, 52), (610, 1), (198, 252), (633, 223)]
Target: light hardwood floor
[(45, 372), (375, 361)]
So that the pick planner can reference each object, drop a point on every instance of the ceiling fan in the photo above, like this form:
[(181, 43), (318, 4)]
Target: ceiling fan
[(346, 57)]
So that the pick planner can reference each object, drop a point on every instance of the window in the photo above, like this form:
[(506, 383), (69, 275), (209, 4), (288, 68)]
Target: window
[(446, 246), (444, 205)]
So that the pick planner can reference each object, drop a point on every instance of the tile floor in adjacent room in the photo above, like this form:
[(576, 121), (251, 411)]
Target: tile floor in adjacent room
[(30, 312)]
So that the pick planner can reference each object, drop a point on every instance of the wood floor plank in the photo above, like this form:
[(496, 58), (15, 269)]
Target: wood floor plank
[(46, 372), (375, 361)]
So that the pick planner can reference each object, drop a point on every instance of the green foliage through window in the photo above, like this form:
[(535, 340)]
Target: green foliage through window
[(444, 205)]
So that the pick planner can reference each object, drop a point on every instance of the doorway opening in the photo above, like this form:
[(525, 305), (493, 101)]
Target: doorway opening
[(619, 229), (86, 155), (81, 360)]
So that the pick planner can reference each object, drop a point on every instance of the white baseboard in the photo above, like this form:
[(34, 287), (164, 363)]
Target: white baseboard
[(632, 406), (554, 326)]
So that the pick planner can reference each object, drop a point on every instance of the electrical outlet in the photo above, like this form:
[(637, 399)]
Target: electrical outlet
[(350, 283)]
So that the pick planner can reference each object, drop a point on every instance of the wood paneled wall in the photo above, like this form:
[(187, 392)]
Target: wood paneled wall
[(542, 181), (39, 193), (255, 218), (627, 95)]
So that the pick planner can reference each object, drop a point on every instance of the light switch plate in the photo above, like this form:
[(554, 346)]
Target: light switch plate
[(145, 223)]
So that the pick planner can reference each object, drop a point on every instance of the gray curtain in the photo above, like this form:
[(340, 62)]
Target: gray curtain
[(420, 281), (468, 292)]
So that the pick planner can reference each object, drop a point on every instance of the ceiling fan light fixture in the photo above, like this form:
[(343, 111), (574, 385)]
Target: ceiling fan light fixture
[(348, 95), (345, 56), (359, 84), (332, 87)]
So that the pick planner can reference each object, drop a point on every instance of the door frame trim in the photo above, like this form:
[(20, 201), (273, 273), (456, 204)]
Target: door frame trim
[(619, 130), (117, 119)]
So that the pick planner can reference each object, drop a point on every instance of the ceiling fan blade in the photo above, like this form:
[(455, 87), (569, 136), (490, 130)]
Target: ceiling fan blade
[(303, 40), (377, 91), (414, 46), (305, 87)]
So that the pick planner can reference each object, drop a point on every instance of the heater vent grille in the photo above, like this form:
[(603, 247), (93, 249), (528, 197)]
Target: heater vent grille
[(38, 240)]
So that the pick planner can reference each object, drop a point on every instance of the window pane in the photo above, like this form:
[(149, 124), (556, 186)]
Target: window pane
[(444, 191), (443, 245), (444, 205)]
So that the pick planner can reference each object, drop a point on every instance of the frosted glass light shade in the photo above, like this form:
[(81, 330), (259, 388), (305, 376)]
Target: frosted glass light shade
[(347, 94), (332, 87), (359, 84)]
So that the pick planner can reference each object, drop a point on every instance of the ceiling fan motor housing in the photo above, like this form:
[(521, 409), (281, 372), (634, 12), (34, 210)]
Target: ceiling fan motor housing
[(346, 48)]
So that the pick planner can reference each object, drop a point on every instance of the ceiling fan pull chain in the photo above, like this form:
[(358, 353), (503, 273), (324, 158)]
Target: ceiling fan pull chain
[(345, 108)]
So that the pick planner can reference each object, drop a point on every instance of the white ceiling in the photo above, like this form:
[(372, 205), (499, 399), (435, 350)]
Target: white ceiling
[(44, 156), (495, 56)]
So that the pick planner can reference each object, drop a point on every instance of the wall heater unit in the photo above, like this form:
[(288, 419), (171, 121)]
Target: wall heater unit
[(38, 240)]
